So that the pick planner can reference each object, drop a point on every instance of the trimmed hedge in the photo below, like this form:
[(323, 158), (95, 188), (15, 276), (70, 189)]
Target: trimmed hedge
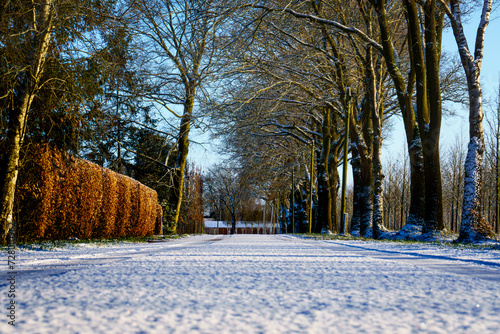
[(60, 196)]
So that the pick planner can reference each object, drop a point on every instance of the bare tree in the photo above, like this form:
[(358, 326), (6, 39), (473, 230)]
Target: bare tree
[(453, 174), (177, 41), (492, 163), (225, 185), (396, 191)]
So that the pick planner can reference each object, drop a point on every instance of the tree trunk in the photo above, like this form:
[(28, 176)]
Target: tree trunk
[(473, 226), (292, 202), (233, 220), (402, 198), (18, 118), (356, 200), (430, 126), (425, 63), (301, 205), (366, 197), (183, 150), (377, 114), (11, 165), (363, 141), (433, 191), (452, 218), (324, 188), (364, 192), (378, 176), (457, 202), (310, 211), (334, 182), (404, 94)]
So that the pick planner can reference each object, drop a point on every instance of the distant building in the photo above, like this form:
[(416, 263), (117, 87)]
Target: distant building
[(242, 227)]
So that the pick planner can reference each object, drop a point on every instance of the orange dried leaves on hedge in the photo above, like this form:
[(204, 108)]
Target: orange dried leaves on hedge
[(60, 196), (108, 213)]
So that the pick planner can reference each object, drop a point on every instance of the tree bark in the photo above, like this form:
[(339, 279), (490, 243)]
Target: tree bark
[(362, 138), (378, 176), (181, 158), (333, 163), (334, 182), (324, 216), (425, 63), (374, 97), (233, 219), (497, 172), (301, 205), (356, 200), (430, 126), (366, 197)]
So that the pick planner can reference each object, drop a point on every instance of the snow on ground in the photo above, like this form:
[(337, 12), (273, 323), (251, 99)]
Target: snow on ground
[(256, 284)]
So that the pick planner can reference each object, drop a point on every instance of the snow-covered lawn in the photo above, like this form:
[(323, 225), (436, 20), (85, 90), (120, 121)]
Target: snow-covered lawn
[(255, 284)]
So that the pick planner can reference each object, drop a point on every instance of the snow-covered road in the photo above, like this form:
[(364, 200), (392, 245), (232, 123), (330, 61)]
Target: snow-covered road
[(255, 284)]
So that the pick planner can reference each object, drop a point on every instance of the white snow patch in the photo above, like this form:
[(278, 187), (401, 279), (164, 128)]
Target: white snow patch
[(257, 284)]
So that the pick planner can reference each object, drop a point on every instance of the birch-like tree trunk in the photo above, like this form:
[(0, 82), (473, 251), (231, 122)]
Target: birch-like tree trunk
[(18, 115), (473, 226)]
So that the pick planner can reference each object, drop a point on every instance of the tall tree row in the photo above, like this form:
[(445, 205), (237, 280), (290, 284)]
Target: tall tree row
[(335, 61), (338, 48), (293, 108), (295, 89)]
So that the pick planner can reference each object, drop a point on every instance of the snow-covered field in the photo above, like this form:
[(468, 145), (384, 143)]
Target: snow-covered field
[(255, 284)]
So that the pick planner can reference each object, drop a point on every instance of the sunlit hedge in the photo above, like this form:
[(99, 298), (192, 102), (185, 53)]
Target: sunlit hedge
[(60, 196)]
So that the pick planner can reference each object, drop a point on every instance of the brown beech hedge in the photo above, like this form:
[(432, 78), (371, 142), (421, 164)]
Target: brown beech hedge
[(60, 196)]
